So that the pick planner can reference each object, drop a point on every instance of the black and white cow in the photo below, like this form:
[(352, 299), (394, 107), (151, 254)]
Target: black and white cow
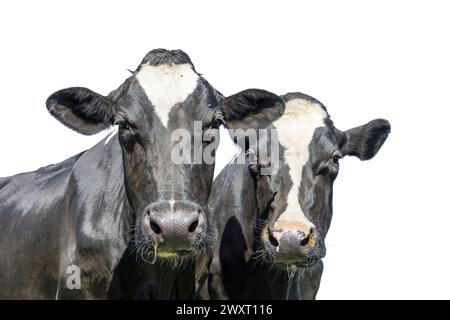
[(272, 227), (79, 215)]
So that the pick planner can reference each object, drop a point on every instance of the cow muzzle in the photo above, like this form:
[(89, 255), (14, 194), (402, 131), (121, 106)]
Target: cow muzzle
[(293, 243), (175, 228)]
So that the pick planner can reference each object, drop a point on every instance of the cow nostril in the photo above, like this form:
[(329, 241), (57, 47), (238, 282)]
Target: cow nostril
[(155, 228), (304, 242), (273, 241), (193, 226)]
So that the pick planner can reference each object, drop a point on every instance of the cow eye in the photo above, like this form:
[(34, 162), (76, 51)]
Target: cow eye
[(335, 158), (217, 121), (123, 124)]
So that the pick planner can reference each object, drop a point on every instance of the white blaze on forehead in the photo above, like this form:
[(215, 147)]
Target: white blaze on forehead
[(166, 85), (295, 132)]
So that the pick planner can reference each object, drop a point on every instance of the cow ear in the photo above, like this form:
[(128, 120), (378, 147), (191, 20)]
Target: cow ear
[(82, 110), (251, 108), (365, 141)]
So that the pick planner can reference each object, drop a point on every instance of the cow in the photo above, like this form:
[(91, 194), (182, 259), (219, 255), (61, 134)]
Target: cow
[(271, 227), (66, 226), (180, 279)]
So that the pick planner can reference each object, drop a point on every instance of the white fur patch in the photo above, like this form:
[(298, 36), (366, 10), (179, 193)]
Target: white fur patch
[(295, 131), (166, 85), (171, 202)]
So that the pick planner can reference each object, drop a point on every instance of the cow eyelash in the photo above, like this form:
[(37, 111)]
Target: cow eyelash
[(124, 123)]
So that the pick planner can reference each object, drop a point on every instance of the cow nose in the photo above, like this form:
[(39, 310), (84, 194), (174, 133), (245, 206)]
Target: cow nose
[(295, 238), (168, 225), (175, 230), (293, 242)]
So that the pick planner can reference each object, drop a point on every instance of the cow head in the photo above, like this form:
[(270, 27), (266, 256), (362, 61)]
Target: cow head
[(298, 194), (163, 105)]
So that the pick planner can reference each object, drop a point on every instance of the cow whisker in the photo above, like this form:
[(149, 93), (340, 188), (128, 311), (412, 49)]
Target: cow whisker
[(155, 254)]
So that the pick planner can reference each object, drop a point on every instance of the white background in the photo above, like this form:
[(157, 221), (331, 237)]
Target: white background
[(390, 233)]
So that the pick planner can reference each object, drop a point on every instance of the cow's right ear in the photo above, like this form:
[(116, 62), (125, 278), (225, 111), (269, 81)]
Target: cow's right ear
[(365, 141), (251, 108), (82, 109)]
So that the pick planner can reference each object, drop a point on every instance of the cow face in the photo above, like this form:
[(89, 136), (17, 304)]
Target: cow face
[(298, 194), (165, 104)]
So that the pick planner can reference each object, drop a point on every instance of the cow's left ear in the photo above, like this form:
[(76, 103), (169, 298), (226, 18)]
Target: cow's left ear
[(82, 109), (251, 108), (365, 141)]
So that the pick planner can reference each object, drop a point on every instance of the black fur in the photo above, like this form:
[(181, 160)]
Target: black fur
[(365, 141), (82, 109), (252, 108), (158, 57)]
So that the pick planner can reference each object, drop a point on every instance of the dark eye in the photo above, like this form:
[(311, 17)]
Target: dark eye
[(217, 121), (123, 124), (331, 166), (127, 133), (335, 159)]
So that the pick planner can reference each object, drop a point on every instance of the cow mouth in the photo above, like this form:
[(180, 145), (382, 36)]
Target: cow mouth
[(282, 261), (174, 253), (305, 263), (151, 254)]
